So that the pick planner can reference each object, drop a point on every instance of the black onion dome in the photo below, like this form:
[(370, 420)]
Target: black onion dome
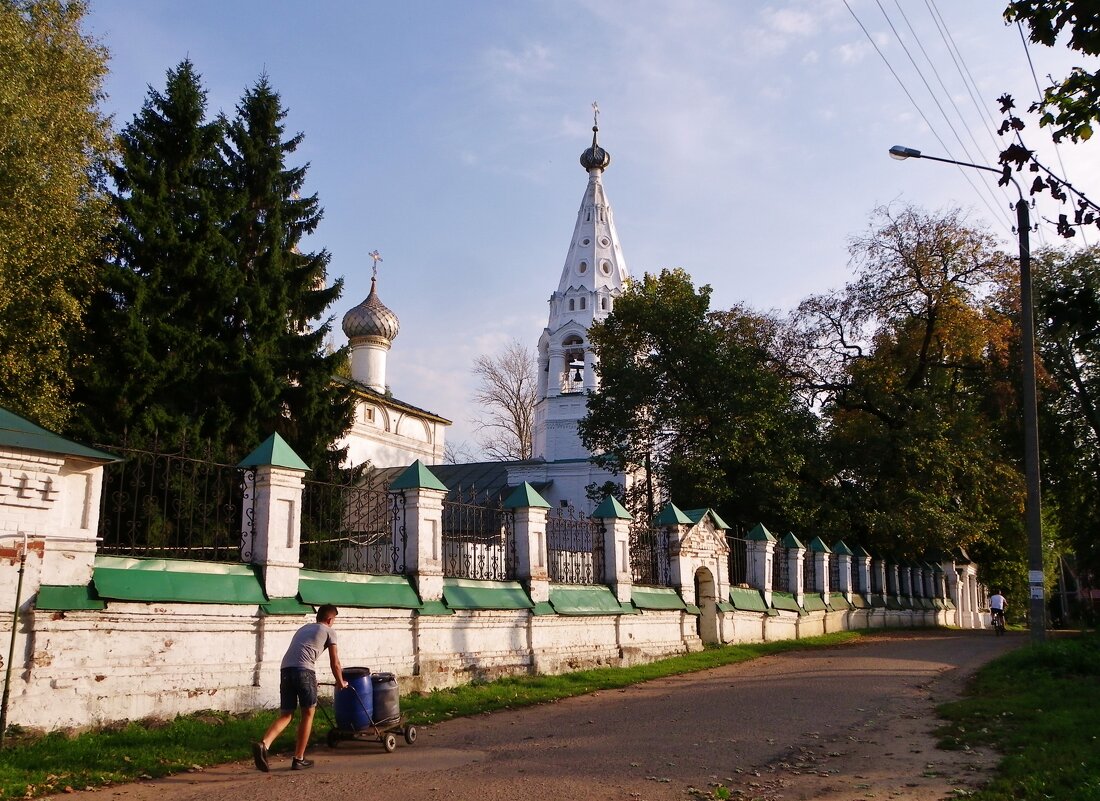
[(595, 158), (371, 318)]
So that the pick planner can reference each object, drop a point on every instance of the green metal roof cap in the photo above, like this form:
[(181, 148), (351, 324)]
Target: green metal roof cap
[(818, 546), (611, 508), (417, 476), (18, 432), (671, 516), (760, 534), (525, 497), (842, 549), (274, 452), (698, 514), (791, 541), (860, 551)]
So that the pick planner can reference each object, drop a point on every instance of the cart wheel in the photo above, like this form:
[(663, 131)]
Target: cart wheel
[(333, 738), (410, 734), (389, 742)]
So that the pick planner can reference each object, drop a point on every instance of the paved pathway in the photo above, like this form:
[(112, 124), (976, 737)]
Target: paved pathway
[(844, 723)]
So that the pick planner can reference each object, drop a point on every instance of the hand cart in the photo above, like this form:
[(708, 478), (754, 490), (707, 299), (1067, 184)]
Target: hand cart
[(384, 731)]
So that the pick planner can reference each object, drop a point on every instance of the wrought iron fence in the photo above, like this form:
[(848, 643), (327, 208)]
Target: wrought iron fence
[(180, 505), (834, 572), (649, 558), (738, 560), (574, 547), (478, 541), (356, 527), (859, 584), (876, 576), (809, 571), (781, 570), (893, 580)]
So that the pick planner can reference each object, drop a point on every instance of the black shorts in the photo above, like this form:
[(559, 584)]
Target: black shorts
[(297, 687)]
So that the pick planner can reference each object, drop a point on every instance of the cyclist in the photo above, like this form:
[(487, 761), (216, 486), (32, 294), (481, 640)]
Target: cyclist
[(997, 606)]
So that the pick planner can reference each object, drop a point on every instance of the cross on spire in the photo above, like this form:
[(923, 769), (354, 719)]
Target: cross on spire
[(595, 114), (376, 257)]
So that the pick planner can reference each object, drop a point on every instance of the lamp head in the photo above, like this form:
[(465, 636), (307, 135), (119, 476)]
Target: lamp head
[(901, 153)]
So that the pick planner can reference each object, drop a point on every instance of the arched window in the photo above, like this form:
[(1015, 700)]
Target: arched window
[(571, 302), (582, 304)]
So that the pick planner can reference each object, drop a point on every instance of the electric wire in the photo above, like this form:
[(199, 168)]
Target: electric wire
[(962, 170)]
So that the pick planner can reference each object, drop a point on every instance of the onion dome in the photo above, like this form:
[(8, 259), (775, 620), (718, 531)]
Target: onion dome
[(595, 158), (371, 318)]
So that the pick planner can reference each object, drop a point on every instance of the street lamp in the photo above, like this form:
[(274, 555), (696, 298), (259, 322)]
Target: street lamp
[(1033, 504)]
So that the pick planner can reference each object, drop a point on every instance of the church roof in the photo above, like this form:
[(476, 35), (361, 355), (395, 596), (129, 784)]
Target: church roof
[(476, 482), (386, 400)]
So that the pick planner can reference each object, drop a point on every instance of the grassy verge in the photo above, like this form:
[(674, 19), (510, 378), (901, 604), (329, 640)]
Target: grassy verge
[(1039, 707), (32, 767)]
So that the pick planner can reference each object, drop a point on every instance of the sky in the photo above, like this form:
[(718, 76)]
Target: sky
[(748, 140)]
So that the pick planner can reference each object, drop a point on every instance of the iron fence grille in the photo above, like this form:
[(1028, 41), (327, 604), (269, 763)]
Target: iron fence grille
[(876, 576), (781, 570), (355, 527), (809, 572), (574, 547), (478, 541), (739, 560), (834, 572), (649, 559), (893, 583), (858, 583), (172, 505)]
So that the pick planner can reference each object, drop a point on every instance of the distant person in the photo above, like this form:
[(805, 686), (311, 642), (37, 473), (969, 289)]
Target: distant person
[(997, 605), (298, 686)]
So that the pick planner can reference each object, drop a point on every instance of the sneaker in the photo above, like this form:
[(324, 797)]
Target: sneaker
[(259, 756), (300, 764)]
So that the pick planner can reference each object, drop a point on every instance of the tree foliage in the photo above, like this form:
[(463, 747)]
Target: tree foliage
[(912, 368), (692, 395), (207, 326), (507, 391), (53, 209)]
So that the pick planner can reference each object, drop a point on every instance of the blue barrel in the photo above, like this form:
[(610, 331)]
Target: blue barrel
[(387, 698), (354, 705)]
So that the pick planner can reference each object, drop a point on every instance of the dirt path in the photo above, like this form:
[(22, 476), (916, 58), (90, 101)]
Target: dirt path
[(837, 724)]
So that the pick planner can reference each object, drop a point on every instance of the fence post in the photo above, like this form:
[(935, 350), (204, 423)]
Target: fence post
[(424, 494), (861, 566), (677, 522), (796, 554), (615, 522), (819, 552), (761, 551), (529, 509), (276, 530), (843, 555)]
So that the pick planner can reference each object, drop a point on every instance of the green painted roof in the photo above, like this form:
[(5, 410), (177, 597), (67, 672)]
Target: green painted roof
[(859, 601), (58, 598), (286, 606), (417, 476), (817, 545), (841, 549), (698, 514), (611, 508), (760, 534), (176, 580), (838, 601), (791, 541), (473, 594), (18, 432), (655, 598), (787, 602), (596, 599), (860, 551), (525, 497), (814, 602), (274, 452), (360, 590), (747, 599), (671, 516), (435, 609)]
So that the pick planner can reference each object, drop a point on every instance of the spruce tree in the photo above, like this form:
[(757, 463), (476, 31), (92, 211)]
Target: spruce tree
[(282, 376), (157, 330)]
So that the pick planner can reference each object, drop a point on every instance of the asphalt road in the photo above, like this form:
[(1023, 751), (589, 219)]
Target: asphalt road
[(843, 723)]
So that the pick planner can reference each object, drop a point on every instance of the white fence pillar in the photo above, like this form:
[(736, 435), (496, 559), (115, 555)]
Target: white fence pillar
[(529, 510), (423, 494), (616, 547)]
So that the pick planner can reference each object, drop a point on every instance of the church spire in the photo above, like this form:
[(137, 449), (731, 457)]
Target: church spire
[(595, 158)]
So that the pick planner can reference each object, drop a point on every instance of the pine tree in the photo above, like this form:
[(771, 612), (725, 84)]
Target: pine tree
[(157, 330), (283, 381)]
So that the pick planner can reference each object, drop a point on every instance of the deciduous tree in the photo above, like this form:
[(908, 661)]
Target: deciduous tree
[(54, 212), (507, 389)]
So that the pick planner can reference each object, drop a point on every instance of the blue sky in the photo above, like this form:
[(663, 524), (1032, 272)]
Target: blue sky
[(748, 140)]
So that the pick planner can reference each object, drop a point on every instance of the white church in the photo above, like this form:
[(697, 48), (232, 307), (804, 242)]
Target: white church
[(391, 434)]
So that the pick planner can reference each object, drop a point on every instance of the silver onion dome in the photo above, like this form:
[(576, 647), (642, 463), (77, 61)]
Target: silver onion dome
[(595, 157), (371, 318)]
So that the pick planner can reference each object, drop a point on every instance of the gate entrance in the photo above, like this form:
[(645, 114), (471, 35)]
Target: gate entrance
[(707, 601)]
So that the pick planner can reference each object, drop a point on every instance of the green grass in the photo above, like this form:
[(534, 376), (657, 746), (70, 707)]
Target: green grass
[(1040, 707), (31, 767)]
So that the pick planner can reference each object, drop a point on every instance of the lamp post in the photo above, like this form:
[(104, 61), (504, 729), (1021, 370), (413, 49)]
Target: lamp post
[(1033, 504)]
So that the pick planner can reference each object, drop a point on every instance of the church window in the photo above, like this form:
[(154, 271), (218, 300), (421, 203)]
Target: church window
[(605, 241), (582, 268), (582, 304), (586, 242), (572, 305), (605, 267), (603, 303)]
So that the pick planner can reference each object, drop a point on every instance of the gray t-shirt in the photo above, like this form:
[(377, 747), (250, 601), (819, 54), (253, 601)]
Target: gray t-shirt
[(308, 643)]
